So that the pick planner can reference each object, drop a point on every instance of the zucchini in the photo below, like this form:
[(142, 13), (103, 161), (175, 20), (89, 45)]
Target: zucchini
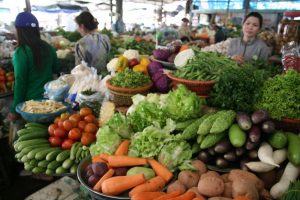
[(52, 155), (32, 153), (67, 163), (33, 135), (42, 154), (63, 155), (43, 163), (22, 144), (53, 165), (38, 170)]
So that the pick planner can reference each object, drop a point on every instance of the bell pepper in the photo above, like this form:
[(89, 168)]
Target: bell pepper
[(122, 63), (145, 61), (141, 68)]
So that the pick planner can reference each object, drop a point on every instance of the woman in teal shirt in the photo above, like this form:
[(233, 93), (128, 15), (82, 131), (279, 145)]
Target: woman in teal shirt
[(34, 61)]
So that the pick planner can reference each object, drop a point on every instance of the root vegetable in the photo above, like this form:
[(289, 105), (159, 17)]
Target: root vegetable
[(188, 178), (211, 186), (176, 186), (237, 174), (227, 190), (209, 173), (265, 154), (219, 198), (195, 190), (242, 187), (200, 166)]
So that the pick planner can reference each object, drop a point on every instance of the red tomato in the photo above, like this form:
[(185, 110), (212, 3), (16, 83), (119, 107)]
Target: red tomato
[(55, 141), (75, 117), (85, 111), (90, 128), (60, 132), (67, 144), (81, 125), (51, 129), (68, 124), (74, 134), (87, 138), (60, 123), (89, 118), (65, 116)]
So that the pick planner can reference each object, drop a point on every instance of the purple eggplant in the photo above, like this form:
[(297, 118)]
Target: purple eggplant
[(268, 127), (259, 116), (243, 121), (223, 146), (240, 151), (254, 134), (251, 145), (230, 156)]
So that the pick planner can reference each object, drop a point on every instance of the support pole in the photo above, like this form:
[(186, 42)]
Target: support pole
[(28, 6)]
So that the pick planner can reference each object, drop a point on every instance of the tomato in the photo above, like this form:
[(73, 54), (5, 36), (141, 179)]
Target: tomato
[(75, 117), (87, 138), (2, 72), (89, 118), (67, 144), (85, 111), (56, 120), (90, 128), (68, 124), (51, 129), (2, 78), (60, 132), (74, 134), (55, 141), (60, 123), (65, 116), (81, 125)]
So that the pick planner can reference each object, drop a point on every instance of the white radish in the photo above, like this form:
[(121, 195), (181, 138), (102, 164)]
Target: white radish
[(279, 156), (265, 154), (290, 174)]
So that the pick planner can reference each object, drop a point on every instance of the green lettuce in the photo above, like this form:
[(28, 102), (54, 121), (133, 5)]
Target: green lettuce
[(183, 104), (120, 124), (107, 141)]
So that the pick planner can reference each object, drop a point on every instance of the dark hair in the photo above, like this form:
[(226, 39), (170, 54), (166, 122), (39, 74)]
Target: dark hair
[(88, 20), (32, 38), (257, 15)]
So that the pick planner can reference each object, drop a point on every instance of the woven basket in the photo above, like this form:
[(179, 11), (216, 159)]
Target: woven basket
[(122, 96), (201, 88)]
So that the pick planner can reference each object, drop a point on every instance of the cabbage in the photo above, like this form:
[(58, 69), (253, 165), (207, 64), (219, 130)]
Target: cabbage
[(161, 54), (174, 154), (161, 82), (120, 125), (154, 67)]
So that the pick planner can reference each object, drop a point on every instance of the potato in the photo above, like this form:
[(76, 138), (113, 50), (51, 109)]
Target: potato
[(227, 190), (242, 187), (200, 166), (188, 178), (210, 173), (224, 177), (211, 186), (265, 195), (237, 174), (219, 198), (176, 186), (195, 190)]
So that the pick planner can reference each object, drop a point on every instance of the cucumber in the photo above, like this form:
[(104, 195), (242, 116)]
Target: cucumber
[(211, 139), (22, 144), (237, 136), (60, 170), (42, 154), (19, 155), (38, 170), (67, 163), (73, 168), (24, 158), (63, 156), (74, 149), (34, 124), (52, 155), (34, 162), (293, 148), (22, 132), (29, 148), (43, 163), (33, 135), (28, 167), (32, 153), (53, 165), (49, 172)]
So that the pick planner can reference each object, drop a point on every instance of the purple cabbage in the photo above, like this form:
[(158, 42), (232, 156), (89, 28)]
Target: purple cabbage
[(154, 67), (161, 82), (161, 54)]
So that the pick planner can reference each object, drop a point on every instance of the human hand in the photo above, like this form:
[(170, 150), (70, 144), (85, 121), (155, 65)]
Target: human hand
[(238, 58), (12, 117)]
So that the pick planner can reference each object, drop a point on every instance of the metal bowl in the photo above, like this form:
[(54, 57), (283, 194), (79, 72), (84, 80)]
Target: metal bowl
[(95, 195)]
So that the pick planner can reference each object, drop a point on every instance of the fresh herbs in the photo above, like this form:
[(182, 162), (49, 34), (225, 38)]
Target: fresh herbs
[(280, 96), (130, 79), (293, 192)]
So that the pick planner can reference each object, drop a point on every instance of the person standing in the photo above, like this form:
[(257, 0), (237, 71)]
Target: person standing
[(249, 46), (93, 48), (34, 62), (184, 31)]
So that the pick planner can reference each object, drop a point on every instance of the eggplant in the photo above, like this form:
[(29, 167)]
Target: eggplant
[(221, 162), (253, 154), (268, 127), (243, 165), (259, 116), (244, 121), (172, 57), (254, 134), (251, 145), (204, 156), (223, 146), (230, 156), (211, 151), (240, 151)]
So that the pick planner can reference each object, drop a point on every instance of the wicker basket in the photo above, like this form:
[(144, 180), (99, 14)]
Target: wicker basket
[(122, 96), (201, 88)]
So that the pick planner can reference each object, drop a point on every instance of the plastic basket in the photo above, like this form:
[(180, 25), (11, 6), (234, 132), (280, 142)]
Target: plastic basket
[(122, 96), (201, 88)]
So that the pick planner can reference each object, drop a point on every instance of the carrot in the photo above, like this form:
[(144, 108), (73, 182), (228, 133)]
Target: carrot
[(122, 150), (125, 161), (168, 196), (186, 196), (97, 159), (241, 198), (146, 195), (103, 156), (153, 185), (198, 198), (108, 174), (118, 184), (161, 170)]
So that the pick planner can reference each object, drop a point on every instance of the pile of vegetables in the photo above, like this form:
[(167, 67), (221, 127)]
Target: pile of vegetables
[(205, 66), (130, 79), (280, 96), (145, 48), (71, 36), (237, 88)]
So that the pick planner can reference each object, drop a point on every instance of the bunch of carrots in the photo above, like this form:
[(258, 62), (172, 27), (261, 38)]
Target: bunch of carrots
[(139, 188)]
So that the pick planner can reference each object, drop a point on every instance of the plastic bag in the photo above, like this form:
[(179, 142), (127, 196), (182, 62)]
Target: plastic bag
[(56, 90), (93, 101), (291, 56)]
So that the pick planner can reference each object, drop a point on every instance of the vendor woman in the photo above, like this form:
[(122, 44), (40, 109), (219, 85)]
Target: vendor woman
[(249, 46), (34, 61)]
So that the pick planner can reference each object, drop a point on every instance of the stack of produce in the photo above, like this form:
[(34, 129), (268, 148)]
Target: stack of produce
[(6, 79)]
